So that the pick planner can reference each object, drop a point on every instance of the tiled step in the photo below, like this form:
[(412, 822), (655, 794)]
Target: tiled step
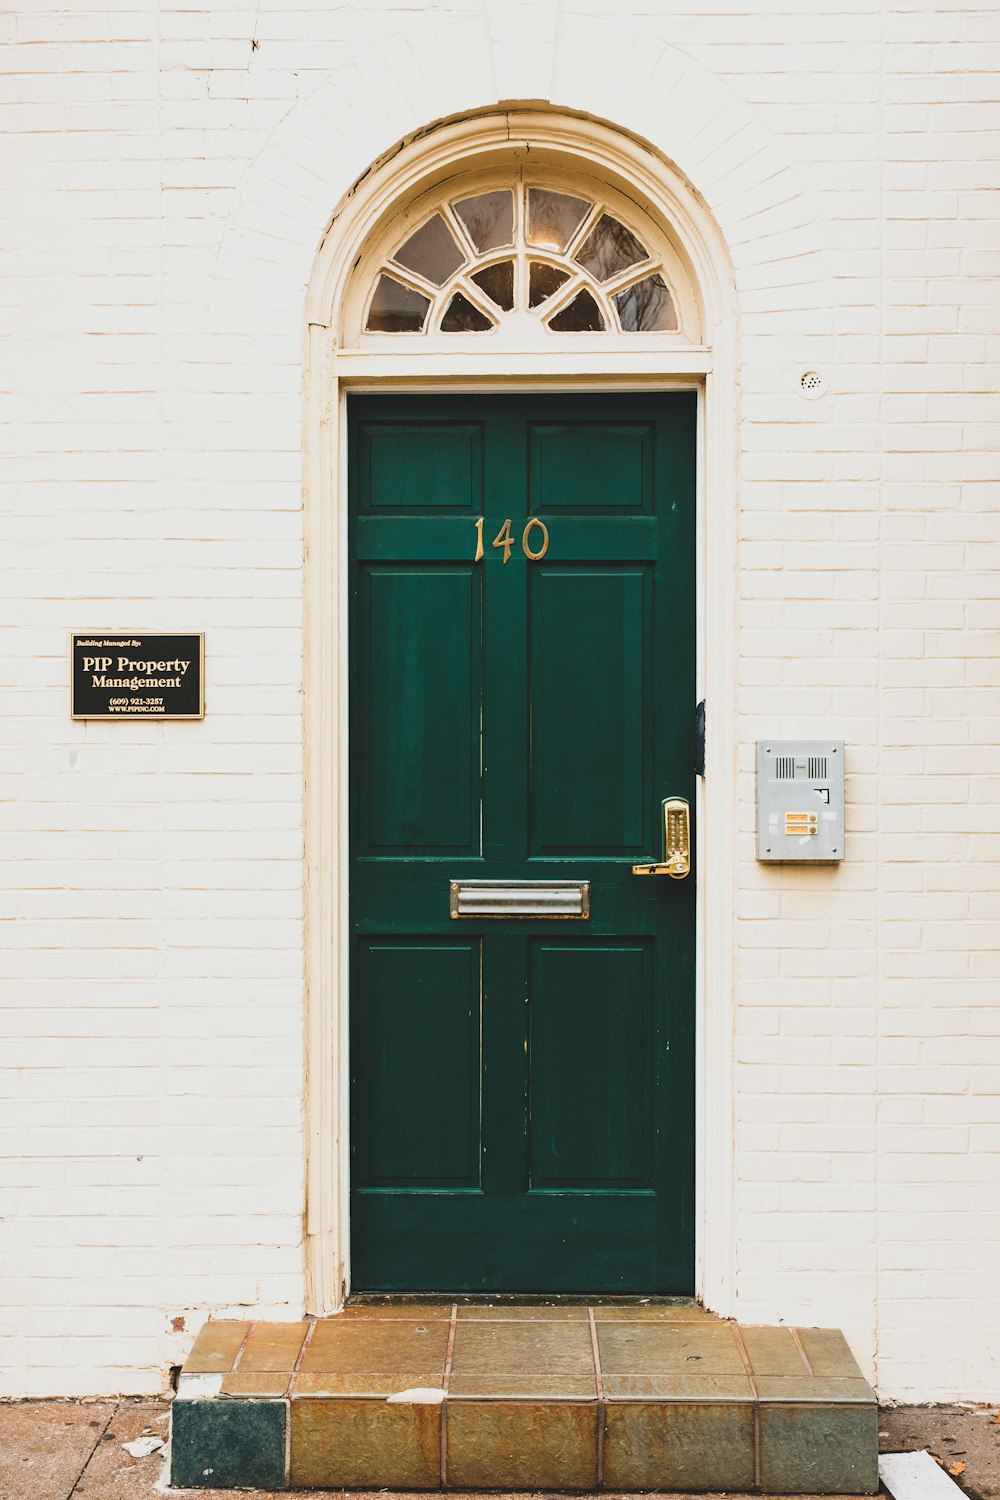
[(526, 1397)]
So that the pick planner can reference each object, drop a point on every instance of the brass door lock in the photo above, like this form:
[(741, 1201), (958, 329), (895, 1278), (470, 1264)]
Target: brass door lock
[(676, 842)]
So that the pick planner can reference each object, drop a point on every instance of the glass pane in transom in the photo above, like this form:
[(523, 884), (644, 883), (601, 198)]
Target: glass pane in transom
[(431, 252), (543, 280), (582, 315), (462, 317), (498, 283), (609, 249), (396, 308), (647, 307), (489, 218), (553, 218)]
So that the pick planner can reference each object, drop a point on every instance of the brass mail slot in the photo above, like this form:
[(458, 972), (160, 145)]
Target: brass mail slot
[(521, 898)]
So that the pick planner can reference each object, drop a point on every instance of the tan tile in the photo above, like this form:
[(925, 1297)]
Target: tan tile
[(773, 1351), (374, 1348), (525, 1384), (679, 1447), (522, 1445), (273, 1346), (656, 1312), (364, 1444), (828, 1353), (407, 1312), (255, 1383), (692, 1349), (507, 1346), (215, 1348), (814, 1388), (523, 1314), (675, 1386), (383, 1383)]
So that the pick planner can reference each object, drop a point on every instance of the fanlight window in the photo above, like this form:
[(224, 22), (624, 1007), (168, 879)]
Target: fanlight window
[(568, 261)]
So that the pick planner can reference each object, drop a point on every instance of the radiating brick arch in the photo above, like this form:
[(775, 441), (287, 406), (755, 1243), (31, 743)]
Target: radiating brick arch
[(436, 70)]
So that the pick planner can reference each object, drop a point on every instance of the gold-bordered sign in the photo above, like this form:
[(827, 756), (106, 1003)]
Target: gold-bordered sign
[(131, 675)]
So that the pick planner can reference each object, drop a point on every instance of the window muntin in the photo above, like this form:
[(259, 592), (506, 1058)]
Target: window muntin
[(568, 262)]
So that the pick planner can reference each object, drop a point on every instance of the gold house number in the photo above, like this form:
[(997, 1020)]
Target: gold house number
[(504, 539)]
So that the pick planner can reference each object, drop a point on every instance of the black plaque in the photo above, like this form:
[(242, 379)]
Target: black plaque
[(137, 676)]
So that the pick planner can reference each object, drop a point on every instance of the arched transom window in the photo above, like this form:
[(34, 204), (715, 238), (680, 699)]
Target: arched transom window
[(566, 260)]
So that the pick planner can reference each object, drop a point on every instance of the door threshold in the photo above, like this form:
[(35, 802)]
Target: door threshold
[(515, 1299)]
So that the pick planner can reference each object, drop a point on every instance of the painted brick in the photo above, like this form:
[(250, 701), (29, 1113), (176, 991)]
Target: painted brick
[(166, 187)]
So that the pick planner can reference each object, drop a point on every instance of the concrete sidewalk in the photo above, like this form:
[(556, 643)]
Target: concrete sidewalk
[(55, 1450)]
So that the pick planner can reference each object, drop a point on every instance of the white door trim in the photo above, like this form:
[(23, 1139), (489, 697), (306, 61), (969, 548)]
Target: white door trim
[(329, 375)]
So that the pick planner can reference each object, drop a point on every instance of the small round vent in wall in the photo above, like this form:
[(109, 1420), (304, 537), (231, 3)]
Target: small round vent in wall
[(812, 385)]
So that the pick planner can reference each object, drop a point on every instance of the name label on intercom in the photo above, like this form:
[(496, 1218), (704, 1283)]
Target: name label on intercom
[(800, 802)]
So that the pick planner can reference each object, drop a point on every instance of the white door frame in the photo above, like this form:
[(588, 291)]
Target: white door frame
[(593, 365)]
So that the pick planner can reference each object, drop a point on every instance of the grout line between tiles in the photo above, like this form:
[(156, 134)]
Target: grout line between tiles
[(242, 1349), (599, 1375), (297, 1366), (446, 1382), (744, 1356), (804, 1356)]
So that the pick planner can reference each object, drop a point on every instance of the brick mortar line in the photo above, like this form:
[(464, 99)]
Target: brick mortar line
[(445, 1383), (601, 1407), (744, 1356)]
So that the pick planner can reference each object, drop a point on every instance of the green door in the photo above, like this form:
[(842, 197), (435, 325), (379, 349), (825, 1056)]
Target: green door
[(521, 1087)]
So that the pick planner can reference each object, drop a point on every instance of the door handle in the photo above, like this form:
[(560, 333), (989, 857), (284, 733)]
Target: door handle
[(676, 842)]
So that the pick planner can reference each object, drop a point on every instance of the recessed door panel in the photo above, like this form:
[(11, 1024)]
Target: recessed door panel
[(583, 466), (591, 1049), (591, 700), (412, 467), (417, 1063), (420, 777)]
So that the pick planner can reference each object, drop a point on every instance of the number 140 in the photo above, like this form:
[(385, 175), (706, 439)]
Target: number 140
[(504, 539)]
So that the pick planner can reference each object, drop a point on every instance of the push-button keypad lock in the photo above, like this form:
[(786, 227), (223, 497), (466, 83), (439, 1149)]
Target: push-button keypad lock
[(676, 860)]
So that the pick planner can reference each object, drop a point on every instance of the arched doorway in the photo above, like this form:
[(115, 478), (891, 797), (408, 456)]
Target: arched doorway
[(491, 263)]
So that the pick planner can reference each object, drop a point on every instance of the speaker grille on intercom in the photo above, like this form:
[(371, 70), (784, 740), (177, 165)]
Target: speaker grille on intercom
[(784, 767), (817, 768)]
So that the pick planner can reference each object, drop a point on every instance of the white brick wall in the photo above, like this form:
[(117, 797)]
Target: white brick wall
[(165, 184)]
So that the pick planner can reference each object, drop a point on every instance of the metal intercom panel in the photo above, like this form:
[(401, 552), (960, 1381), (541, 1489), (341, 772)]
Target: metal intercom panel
[(800, 802)]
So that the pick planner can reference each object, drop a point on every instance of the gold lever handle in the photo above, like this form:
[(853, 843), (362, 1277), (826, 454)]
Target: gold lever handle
[(676, 842)]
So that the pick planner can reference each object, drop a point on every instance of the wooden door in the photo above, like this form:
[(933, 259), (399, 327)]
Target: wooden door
[(521, 1087)]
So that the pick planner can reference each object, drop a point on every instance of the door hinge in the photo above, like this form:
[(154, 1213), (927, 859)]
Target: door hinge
[(699, 738)]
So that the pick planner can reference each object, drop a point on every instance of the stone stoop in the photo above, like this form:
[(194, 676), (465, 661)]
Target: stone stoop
[(524, 1397)]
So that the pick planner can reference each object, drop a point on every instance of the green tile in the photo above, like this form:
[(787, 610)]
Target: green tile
[(773, 1351), (215, 1348), (377, 1347), (653, 1349), (676, 1386), (522, 1445), (812, 1388), (227, 1444), (818, 1449), (501, 1348), (655, 1446), (828, 1353), (364, 1444)]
